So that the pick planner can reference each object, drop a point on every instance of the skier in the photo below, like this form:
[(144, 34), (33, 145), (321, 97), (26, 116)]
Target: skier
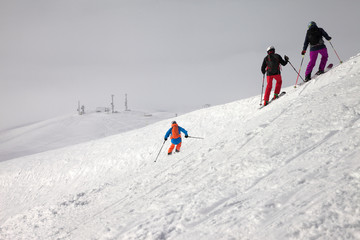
[(314, 36), (175, 132), (271, 65)]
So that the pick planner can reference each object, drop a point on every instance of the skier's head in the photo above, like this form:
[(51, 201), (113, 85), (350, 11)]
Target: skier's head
[(270, 50), (173, 122), (312, 24)]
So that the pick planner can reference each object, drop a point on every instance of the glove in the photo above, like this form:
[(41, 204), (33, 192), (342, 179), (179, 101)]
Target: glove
[(186, 136), (286, 58), (303, 52), (165, 139)]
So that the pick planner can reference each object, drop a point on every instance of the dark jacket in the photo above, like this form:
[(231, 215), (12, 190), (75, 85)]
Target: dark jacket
[(272, 59), (320, 44)]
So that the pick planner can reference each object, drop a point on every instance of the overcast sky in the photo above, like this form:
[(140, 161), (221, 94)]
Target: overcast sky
[(171, 55)]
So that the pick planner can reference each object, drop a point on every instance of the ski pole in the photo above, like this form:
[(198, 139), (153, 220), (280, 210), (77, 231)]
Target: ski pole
[(297, 72), (160, 150), (262, 90), (335, 52), (302, 60), (195, 137)]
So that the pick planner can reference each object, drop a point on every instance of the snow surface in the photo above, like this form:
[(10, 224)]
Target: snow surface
[(69, 130), (288, 171)]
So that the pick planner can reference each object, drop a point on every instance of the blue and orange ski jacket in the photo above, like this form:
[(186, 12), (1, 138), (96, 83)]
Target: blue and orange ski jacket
[(175, 132)]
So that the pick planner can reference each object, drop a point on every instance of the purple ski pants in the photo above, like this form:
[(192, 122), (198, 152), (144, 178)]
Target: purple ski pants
[(313, 56)]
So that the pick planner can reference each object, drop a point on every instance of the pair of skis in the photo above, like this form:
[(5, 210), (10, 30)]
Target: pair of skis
[(329, 67), (280, 95)]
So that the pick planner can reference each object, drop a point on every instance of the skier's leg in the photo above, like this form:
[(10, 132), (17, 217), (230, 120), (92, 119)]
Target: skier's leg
[(171, 148), (324, 58), (278, 84), (268, 88), (312, 62), (178, 147)]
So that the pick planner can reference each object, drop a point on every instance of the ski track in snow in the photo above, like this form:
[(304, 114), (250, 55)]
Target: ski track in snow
[(288, 171)]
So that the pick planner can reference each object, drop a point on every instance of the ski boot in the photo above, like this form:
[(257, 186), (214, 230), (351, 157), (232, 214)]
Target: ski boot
[(319, 72)]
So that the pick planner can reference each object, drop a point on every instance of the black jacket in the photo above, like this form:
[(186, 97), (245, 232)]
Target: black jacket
[(273, 60), (320, 44)]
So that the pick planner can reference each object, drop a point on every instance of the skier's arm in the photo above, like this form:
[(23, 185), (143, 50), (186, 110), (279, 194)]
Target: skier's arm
[(326, 36), (263, 67), (306, 43), (282, 61), (167, 133), (183, 130)]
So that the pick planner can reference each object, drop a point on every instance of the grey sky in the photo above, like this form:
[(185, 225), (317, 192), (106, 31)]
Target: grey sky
[(174, 55)]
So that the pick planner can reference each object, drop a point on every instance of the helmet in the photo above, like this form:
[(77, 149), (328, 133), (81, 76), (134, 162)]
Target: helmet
[(312, 23), (173, 122), (271, 48)]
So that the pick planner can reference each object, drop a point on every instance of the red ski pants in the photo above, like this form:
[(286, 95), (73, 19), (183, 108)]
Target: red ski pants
[(269, 86), (171, 148)]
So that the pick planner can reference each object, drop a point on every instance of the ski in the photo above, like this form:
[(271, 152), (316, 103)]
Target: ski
[(281, 94), (329, 67), (326, 69)]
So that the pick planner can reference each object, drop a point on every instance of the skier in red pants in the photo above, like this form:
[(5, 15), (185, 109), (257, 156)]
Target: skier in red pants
[(271, 66)]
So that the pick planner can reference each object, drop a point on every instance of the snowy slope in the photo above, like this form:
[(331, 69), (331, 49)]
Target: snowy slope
[(69, 130), (288, 171)]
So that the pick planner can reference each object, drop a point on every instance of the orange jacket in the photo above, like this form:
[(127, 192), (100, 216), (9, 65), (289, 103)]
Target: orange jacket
[(175, 132)]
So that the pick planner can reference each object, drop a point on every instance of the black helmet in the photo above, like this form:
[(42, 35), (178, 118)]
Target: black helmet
[(173, 122), (311, 24)]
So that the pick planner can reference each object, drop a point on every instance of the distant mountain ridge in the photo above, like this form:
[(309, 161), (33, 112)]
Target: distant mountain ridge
[(69, 130)]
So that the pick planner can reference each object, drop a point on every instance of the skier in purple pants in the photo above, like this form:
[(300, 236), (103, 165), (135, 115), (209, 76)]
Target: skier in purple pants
[(314, 37)]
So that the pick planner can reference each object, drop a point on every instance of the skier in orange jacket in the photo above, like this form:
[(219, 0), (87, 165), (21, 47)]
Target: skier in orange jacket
[(175, 132)]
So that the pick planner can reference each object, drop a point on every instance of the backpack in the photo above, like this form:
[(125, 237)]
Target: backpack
[(273, 64), (175, 133), (314, 35)]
